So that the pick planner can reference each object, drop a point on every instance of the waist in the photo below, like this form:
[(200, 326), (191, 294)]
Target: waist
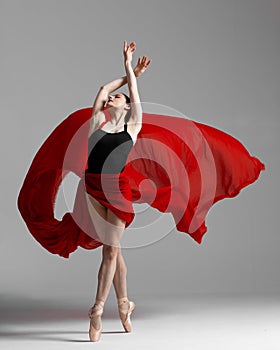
[(98, 174), (106, 181)]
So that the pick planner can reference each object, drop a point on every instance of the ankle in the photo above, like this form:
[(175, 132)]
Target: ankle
[(99, 302), (122, 300)]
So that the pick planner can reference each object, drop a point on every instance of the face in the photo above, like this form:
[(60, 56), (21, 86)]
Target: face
[(117, 101)]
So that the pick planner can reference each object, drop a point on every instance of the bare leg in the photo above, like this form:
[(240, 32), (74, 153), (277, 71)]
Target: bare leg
[(111, 228), (105, 277), (119, 280), (111, 233), (106, 271), (125, 306)]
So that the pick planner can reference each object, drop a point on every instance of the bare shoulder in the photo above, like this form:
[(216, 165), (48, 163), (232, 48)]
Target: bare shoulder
[(95, 121), (133, 129)]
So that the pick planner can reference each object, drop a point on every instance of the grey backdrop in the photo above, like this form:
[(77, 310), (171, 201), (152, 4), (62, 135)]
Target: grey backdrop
[(215, 61)]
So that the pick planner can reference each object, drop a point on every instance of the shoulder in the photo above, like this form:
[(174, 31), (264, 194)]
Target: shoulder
[(95, 121)]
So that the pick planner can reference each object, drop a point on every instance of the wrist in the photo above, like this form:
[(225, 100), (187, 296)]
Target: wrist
[(127, 63), (136, 73)]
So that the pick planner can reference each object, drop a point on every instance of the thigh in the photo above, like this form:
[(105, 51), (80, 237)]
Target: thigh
[(109, 227), (98, 215), (114, 219), (115, 228), (99, 208)]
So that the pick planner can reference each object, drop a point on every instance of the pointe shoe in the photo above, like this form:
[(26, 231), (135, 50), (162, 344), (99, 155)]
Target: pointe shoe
[(125, 309), (95, 311)]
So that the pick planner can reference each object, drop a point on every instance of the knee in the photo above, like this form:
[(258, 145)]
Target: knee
[(110, 252)]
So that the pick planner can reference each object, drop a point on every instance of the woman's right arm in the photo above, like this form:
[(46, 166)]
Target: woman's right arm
[(106, 89), (135, 103)]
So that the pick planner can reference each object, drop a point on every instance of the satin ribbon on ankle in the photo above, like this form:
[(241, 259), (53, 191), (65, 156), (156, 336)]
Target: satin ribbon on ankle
[(122, 300), (99, 302)]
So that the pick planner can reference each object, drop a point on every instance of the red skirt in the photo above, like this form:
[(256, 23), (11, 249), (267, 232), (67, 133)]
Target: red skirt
[(112, 191)]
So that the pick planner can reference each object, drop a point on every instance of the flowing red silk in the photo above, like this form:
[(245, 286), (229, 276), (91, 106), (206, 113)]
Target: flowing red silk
[(112, 191), (177, 165)]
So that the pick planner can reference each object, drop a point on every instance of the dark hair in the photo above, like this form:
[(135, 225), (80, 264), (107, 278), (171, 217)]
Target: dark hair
[(128, 114)]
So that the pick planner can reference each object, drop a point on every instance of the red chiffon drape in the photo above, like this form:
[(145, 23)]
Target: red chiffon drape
[(177, 165)]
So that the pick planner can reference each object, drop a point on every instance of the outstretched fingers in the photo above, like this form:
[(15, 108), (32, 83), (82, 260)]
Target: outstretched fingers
[(144, 62), (132, 44), (148, 63), (132, 47), (125, 45), (129, 48)]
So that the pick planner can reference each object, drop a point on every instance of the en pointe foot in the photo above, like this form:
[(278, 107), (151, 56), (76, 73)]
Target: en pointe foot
[(95, 327), (126, 307)]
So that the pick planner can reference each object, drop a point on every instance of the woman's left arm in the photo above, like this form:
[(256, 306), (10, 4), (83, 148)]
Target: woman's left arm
[(139, 69), (135, 103)]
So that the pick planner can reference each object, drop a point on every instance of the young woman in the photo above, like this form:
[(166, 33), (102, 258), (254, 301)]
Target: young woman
[(109, 147), (193, 165)]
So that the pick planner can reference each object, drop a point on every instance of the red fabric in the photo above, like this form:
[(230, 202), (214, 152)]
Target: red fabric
[(177, 166), (112, 191)]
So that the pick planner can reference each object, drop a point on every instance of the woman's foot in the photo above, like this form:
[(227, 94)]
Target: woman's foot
[(125, 309), (95, 328)]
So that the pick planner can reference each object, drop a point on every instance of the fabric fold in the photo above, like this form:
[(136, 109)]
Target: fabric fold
[(177, 165)]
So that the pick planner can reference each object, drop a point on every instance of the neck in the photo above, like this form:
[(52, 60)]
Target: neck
[(117, 117)]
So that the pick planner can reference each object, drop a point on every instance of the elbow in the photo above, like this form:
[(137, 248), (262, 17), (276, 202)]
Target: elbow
[(103, 88)]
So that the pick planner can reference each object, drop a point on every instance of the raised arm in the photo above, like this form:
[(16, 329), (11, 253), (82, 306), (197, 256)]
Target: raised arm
[(98, 115), (135, 103), (106, 89)]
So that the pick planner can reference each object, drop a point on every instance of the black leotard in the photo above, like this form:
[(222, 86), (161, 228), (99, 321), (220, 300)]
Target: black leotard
[(108, 152)]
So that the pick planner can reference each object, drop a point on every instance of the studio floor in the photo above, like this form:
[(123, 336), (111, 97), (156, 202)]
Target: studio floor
[(192, 322)]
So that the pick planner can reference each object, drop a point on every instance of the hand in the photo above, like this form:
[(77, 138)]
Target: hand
[(128, 51), (141, 66)]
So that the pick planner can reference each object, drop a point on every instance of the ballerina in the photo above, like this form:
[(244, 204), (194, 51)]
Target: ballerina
[(108, 152), (192, 166)]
